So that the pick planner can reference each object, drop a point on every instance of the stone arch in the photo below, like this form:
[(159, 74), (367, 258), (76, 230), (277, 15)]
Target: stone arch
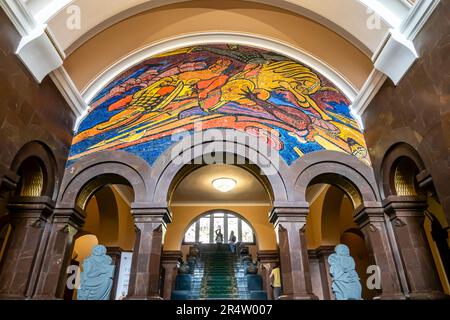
[(399, 168), (339, 169), (86, 176), (40, 172), (407, 189), (171, 162)]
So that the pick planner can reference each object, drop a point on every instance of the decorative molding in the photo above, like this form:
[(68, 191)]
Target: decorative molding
[(268, 256), (369, 90), (397, 56), (95, 86), (280, 215), (51, 9), (212, 203), (150, 213), (38, 53), (398, 222), (19, 16), (417, 18), (390, 10), (37, 49), (171, 257), (70, 93)]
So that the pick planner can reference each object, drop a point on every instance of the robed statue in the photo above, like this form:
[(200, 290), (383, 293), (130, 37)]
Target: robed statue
[(345, 280), (96, 279)]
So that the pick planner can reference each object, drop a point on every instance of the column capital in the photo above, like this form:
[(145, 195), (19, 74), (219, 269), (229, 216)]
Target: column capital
[(396, 206), (368, 213), (321, 251), (150, 213), (31, 207), (268, 256), (115, 251), (74, 216), (288, 215), (171, 257)]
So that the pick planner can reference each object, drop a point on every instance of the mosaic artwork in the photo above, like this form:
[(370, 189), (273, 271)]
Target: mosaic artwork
[(261, 93)]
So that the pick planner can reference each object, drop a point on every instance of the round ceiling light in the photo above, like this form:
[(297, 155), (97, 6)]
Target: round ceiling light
[(224, 184)]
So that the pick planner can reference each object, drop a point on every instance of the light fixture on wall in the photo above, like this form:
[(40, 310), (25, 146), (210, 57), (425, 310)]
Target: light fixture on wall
[(224, 184)]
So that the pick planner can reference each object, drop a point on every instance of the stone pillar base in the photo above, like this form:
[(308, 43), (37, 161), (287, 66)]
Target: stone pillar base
[(12, 297), (433, 295), (298, 297), (389, 296), (145, 298)]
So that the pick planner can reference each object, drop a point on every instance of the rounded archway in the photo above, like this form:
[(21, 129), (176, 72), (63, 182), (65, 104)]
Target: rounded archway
[(29, 204), (330, 222), (36, 167), (97, 197), (193, 193), (108, 222), (418, 219), (224, 225), (335, 186)]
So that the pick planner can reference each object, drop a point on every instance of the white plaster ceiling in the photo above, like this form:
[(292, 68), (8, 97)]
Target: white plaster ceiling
[(348, 18), (368, 25), (196, 187)]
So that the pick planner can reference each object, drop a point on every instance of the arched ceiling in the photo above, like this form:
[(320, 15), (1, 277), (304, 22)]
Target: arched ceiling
[(354, 43), (319, 28), (197, 187), (333, 14)]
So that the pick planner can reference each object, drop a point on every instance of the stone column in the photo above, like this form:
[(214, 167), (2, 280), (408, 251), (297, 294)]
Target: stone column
[(150, 223), (170, 262), (290, 223), (66, 223), (8, 183), (267, 260), (406, 214), (371, 220), (21, 261), (115, 253), (321, 255)]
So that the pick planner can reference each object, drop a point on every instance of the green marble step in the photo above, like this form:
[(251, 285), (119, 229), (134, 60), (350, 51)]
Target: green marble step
[(219, 274)]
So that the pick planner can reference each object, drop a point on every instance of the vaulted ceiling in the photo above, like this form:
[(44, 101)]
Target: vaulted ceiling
[(87, 43)]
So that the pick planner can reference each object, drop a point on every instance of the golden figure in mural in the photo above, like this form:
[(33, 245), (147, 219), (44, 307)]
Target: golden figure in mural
[(249, 90)]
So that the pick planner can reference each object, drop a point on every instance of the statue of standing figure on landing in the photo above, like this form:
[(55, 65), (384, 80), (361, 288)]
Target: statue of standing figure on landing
[(96, 280), (345, 280)]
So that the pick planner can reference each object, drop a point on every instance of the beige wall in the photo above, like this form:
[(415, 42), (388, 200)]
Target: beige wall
[(83, 247), (92, 222), (330, 215), (126, 224), (142, 30), (118, 233), (314, 222), (257, 216), (346, 215)]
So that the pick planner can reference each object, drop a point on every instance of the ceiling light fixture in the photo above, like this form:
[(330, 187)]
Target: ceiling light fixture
[(224, 184)]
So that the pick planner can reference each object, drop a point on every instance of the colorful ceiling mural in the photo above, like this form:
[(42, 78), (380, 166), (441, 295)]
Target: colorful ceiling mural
[(261, 93)]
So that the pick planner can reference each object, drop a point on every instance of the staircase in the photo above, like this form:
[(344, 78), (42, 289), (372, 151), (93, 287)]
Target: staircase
[(219, 274)]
